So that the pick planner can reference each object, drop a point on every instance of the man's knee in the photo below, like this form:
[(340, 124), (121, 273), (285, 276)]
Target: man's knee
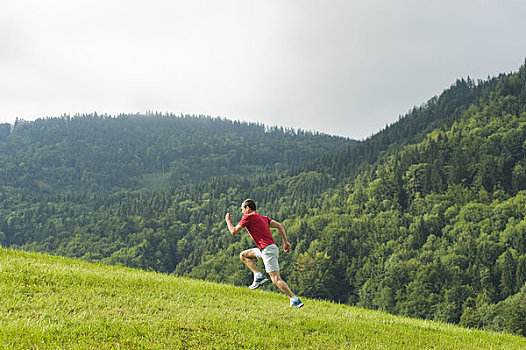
[(246, 254), (275, 278)]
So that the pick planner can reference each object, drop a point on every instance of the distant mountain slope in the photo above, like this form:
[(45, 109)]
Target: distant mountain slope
[(440, 112), (100, 153), (55, 303)]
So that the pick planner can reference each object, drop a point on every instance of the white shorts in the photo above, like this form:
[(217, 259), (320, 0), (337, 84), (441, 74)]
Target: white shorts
[(269, 255)]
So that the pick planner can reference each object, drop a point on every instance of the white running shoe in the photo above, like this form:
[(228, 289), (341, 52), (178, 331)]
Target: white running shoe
[(258, 282), (296, 303)]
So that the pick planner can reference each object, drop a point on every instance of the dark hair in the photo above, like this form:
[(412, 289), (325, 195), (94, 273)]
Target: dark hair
[(250, 203)]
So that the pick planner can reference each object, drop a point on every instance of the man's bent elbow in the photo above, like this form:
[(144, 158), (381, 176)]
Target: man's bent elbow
[(234, 230), (275, 224)]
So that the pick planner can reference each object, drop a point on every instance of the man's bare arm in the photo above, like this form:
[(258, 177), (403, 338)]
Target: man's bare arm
[(234, 230), (281, 229)]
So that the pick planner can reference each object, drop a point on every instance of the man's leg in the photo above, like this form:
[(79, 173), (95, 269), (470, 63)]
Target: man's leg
[(247, 257), (281, 284)]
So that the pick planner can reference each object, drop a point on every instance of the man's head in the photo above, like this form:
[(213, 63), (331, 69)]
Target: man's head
[(248, 206)]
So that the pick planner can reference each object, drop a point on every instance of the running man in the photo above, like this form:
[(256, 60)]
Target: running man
[(258, 226)]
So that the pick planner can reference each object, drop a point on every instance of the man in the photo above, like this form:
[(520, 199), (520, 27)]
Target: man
[(258, 226)]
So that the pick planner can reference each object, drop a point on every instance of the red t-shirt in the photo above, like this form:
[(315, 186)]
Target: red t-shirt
[(258, 227)]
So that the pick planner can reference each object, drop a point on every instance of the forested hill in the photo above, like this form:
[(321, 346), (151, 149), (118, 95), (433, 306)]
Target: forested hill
[(440, 112), (96, 153), (425, 218)]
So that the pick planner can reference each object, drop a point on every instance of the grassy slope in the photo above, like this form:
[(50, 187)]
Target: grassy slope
[(52, 302)]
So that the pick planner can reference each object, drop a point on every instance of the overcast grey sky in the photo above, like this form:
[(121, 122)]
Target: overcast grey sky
[(340, 67)]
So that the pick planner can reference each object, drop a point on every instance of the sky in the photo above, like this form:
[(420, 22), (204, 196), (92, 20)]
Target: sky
[(341, 67)]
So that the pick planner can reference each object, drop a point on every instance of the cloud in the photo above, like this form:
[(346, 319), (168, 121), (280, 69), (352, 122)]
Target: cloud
[(342, 67)]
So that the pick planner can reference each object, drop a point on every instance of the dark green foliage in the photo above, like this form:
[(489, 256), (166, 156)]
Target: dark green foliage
[(427, 218), (99, 153)]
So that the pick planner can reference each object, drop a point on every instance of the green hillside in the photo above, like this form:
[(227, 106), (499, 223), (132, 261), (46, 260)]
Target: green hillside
[(56, 303)]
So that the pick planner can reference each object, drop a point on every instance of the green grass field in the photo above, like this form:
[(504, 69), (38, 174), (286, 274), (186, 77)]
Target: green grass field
[(56, 303)]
